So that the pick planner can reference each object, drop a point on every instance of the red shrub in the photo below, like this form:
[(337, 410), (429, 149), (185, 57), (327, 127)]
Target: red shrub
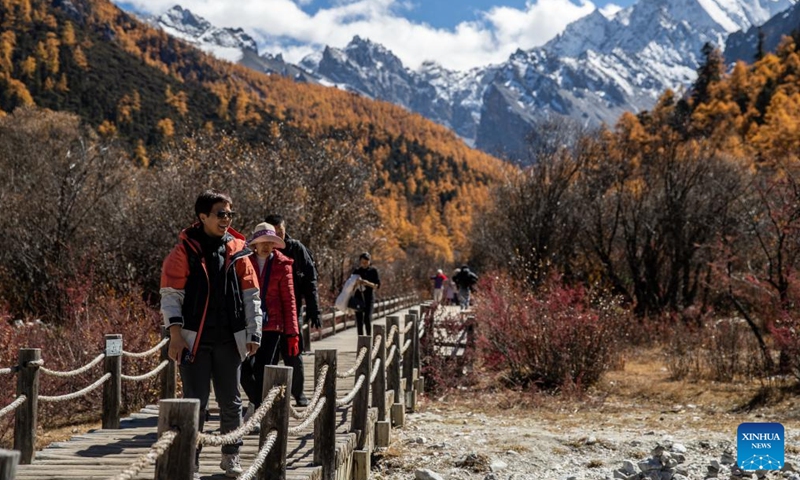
[(445, 366), (559, 336), (74, 342)]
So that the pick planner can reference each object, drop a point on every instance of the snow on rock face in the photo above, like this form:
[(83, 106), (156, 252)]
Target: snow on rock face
[(606, 63), (223, 43), (601, 65)]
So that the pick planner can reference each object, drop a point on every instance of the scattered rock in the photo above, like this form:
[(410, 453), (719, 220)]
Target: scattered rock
[(477, 462), (425, 474), (497, 465), (678, 447)]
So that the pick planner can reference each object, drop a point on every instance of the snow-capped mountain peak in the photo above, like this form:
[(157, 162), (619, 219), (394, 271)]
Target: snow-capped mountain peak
[(610, 61), (225, 43)]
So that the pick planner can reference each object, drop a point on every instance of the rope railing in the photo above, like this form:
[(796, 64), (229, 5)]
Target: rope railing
[(75, 372), (375, 367), (299, 428), (390, 356), (421, 331), (258, 463), (323, 372), (13, 405), (360, 358), (319, 415), (235, 435), (350, 396), (74, 395), (375, 344), (149, 458), (145, 376), (390, 335), (148, 352)]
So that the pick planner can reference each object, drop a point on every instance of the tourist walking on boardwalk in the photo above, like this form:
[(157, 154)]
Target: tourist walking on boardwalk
[(210, 303), (280, 330), (304, 274), (451, 289), (439, 281), (465, 280), (368, 281)]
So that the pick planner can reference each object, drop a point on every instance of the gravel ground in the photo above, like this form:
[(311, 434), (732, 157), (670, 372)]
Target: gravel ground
[(470, 441)]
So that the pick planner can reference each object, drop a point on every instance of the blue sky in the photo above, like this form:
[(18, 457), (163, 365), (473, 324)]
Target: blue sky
[(458, 34), (449, 13)]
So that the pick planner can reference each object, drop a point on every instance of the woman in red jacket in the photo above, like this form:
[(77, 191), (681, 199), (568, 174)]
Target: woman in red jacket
[(278, 305)]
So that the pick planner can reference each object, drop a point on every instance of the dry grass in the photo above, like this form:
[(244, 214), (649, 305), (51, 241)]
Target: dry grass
[(640, 389), (63, 434)]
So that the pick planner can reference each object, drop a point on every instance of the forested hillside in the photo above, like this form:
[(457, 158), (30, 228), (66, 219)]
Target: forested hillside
[(693, 207), (124, 78)]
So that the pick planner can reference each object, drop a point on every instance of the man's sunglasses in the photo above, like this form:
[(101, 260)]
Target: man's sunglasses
[(222, 214)]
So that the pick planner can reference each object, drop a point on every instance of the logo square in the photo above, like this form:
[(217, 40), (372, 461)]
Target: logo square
[(760, 446)]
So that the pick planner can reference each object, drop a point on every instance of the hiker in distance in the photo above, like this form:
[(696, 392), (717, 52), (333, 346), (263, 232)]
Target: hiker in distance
[(465, 280), (211, 306), (365, 286), (439, 281)]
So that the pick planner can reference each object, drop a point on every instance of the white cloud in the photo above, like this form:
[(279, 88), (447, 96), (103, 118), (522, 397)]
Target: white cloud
[(610, 10), (283, 26)]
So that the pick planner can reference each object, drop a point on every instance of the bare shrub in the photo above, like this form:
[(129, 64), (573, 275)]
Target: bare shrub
[(74, 342), (445, 366), (722, 350), (559, 336), (733, 352), (59, 185)]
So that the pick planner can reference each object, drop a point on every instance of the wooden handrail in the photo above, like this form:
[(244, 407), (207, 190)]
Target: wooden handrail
[(182, 415)]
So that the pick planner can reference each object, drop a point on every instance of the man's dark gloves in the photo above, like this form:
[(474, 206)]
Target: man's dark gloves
[(313, 320)]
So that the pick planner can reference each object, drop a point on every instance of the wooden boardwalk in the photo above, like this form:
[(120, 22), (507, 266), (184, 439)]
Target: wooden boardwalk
[(103, 453)]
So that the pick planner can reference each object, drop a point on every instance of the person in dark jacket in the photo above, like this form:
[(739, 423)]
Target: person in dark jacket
[(211, 306), (465, 280), (280, 332), (304, 272), (366, 284)]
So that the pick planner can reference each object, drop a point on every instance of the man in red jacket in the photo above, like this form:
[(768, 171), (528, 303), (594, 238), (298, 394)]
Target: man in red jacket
[(278, 304), (210, 303)]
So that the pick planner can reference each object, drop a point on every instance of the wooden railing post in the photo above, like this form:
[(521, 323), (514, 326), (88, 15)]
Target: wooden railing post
[(358, 422), (169, 374), (277, 418), (470, 326), (415, 341), (306, 329), (182, 414), (333, 320), (395, 375), (25, 418), (8, 464), (325, 424), (379, 387), (408, 362), (383, 426), (112, 389)]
